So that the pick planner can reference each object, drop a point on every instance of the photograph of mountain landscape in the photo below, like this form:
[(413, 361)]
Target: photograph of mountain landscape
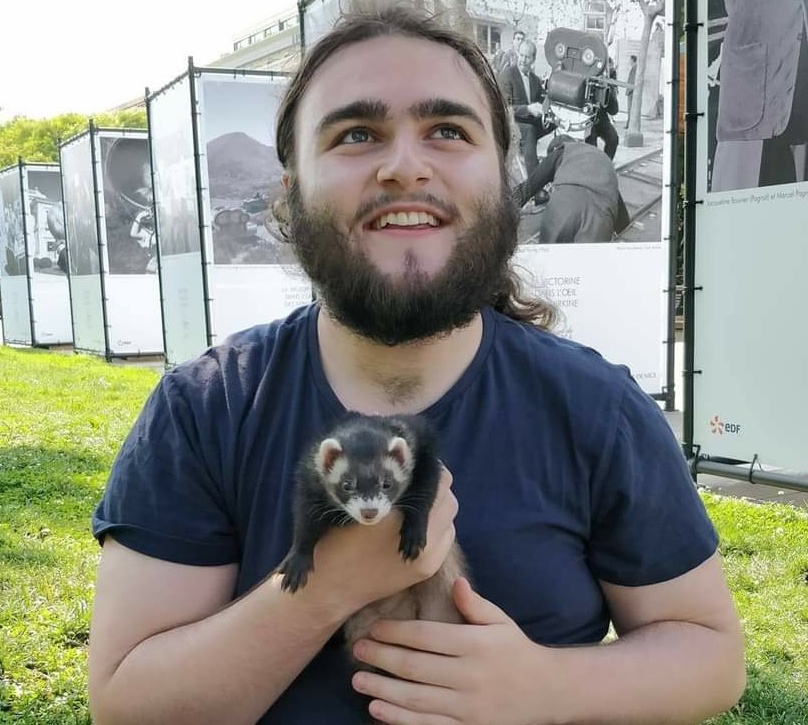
[(244, 175)]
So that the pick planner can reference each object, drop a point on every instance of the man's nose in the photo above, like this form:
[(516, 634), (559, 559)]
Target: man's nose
[(405, 162)]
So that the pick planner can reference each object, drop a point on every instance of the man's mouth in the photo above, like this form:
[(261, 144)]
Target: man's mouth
[(401, 219)]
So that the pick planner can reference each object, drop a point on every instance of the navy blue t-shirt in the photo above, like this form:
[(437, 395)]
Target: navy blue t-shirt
[(566, 472)]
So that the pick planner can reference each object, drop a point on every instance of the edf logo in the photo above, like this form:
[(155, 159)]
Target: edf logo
[(719, 427)]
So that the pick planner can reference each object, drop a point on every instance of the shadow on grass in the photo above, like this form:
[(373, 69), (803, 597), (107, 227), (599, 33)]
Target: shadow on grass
[(49, 487)]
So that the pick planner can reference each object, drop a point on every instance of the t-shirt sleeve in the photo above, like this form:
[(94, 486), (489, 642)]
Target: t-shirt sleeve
[(649, 524), (164, 495)]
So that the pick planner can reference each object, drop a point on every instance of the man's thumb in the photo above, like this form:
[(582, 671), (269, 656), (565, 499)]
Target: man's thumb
[(474, 608)]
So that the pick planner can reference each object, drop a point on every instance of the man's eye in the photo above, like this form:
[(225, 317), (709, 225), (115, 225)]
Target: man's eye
[(356, 135), (449, 133)]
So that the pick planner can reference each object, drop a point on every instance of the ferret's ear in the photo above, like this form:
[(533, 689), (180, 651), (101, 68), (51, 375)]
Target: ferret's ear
[(328, 454), (399, 450)]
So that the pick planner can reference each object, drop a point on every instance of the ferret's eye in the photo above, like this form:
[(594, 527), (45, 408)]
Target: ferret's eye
[(348, 485), (387, 484)]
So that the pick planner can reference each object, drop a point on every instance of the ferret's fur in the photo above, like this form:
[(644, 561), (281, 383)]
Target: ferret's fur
[(359, 472)]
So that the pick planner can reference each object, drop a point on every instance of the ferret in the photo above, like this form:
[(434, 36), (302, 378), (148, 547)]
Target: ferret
[(358, 473)]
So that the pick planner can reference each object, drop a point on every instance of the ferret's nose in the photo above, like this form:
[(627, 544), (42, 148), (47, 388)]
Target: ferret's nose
[(368, 513)]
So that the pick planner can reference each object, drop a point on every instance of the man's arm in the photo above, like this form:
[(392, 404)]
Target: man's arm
[(542, 175), (678, 660), (679, 656), (168, 646)]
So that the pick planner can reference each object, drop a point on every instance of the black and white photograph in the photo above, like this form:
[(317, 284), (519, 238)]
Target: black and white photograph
[(45, 225), (80, 208), (244, 175), (12, 240), (584, 83), (757, 84), (130, 237), (175, 186)]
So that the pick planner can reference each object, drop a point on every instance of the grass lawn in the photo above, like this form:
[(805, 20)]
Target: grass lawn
[(62, 418)]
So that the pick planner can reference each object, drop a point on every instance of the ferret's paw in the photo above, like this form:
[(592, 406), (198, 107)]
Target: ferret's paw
[(295, 569), (412, 542)]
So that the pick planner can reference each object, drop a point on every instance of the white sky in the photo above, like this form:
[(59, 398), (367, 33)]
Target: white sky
[(87, 56)]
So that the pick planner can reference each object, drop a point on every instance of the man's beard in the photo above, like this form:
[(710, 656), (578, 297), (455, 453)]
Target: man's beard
[(415, 306)]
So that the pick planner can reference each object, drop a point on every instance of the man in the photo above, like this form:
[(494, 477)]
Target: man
[(762, 122), (571, 499), (630, 79), (505, 58), (586, 205), (602, 126), (524, 93)]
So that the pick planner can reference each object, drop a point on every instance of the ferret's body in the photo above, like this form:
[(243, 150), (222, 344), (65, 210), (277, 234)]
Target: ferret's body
[(359, 472)]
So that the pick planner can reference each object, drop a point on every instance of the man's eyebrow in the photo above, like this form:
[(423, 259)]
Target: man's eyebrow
[(364, 110), (441, 107), (375, 110)]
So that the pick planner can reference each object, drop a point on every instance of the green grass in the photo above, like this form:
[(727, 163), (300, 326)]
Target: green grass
[(62, 418)]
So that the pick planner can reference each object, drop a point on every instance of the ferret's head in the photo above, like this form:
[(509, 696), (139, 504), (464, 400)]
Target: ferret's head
[(365, 482)]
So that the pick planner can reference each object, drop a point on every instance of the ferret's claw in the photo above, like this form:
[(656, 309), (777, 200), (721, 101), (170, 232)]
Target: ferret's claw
[(295, 569), (411, 544)]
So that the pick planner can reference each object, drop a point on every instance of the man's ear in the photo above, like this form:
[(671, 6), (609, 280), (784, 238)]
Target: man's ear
[(285, 180)]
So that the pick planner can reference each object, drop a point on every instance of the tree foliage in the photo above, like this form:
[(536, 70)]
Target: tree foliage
[(39, 139)]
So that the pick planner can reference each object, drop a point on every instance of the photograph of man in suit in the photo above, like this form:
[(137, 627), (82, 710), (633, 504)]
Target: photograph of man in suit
[(524, 93), (505, 58), (761, 125)]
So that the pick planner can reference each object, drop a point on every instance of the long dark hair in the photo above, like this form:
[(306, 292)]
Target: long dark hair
[(376, 19)]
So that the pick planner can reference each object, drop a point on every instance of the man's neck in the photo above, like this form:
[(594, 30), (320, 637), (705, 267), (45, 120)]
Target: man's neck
[(370, 377)]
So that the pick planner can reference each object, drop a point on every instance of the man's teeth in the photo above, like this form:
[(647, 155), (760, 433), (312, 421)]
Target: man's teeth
[(405, 219)]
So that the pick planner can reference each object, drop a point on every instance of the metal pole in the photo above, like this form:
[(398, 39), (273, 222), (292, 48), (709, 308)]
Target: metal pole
[(750, 474), (147, 100), (28, 273), (673, 205), (199, 205), (67, 271), (691, 125), (98, 231)]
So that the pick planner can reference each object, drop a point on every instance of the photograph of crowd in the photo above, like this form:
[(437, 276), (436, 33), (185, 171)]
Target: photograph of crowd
[(568, 71)]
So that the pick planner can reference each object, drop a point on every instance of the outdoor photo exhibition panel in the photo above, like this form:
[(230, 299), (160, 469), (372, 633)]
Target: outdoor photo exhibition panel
[(182, 291), (77, 162), (33, 285), (254, 277), (128, 244), (223, 264), (750, 300), (594, 219), (13, 274), (46, 255)]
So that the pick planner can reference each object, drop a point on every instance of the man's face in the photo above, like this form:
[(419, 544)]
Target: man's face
[(517, 40), (399, 211), (526, 58)]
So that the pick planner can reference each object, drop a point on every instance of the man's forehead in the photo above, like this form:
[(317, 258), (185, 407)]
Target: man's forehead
[(375, 70)]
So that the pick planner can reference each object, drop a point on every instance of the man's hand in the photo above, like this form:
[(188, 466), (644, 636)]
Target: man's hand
[(486, 671), (357, 565), (535, 109)]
